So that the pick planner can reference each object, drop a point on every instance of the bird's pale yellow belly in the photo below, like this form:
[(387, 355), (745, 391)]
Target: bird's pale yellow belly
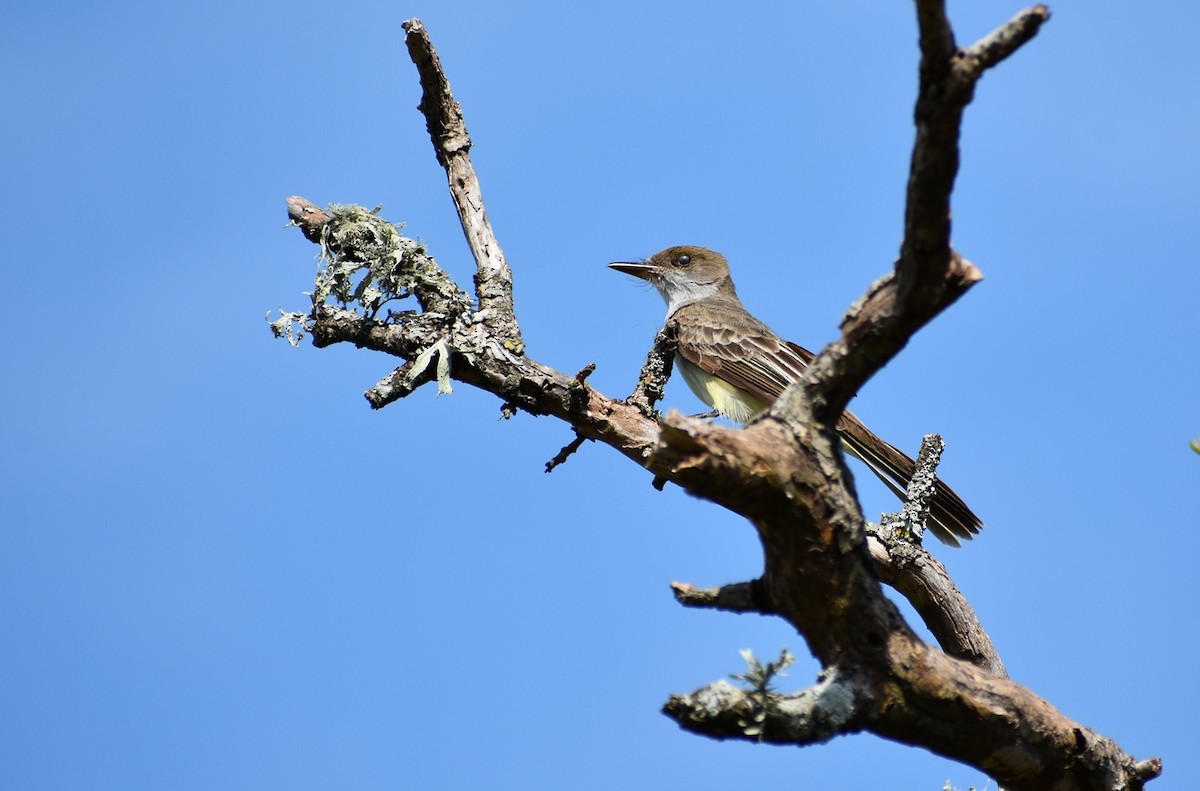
[(732, 402)]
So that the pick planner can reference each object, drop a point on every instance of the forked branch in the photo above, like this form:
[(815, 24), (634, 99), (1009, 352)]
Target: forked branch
[(784, 472)]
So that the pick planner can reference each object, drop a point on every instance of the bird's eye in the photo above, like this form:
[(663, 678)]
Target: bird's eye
[(684, 260)]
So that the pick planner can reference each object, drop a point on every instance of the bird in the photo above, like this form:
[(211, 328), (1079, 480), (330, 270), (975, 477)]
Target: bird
[(738, 366)]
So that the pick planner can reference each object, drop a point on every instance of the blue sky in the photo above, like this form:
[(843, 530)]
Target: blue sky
[(220, 569)]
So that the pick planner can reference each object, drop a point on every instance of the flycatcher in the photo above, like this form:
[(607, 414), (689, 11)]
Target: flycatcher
[(738, 366)]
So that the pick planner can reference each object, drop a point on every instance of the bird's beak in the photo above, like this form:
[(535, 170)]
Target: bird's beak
[(644, 271)]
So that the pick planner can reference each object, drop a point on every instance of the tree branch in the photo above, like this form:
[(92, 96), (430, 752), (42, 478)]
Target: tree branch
[(831, 707), (452, 145), (739, 597), (921, 489), (929, 276), (902, 562), (1003, 41), (784, 472), (924, 581), (652, 381), (400, 383), (565, 452)]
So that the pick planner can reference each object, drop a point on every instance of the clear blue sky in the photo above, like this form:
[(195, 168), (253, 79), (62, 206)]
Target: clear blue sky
[(220, 569)]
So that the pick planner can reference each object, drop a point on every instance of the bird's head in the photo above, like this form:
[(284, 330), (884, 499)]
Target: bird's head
[(682, 274)]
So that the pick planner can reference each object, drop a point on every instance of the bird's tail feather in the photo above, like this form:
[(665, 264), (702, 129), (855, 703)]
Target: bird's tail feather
[(950, 518)]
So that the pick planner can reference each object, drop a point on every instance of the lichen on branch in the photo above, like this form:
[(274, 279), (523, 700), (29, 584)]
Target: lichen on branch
[(369, 264)]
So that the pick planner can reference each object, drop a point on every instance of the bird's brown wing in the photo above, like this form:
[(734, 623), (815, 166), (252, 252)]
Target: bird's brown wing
[(744, 352), (740, 350)]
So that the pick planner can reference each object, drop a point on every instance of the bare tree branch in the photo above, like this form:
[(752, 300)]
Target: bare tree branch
[(565, 453), (739, 597), (831, 707), (1003, 41), (452, 144), (652, 381), (784, 472), (902, 562), (920, 578), (929, 275), (400, 383), (921, 489)]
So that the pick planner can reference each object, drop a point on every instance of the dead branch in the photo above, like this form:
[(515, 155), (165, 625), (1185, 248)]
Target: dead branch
[(831, 707), (652, 381), (452, 145), (739, 597), (920, 578), (785, 472)]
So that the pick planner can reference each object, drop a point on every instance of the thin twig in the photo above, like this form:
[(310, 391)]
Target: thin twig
[(922, 487), (395, 386), (566, 452), (652, 381), (1006, 39)]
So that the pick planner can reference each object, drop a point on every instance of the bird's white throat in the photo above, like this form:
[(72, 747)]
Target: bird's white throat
[(680, 291)]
